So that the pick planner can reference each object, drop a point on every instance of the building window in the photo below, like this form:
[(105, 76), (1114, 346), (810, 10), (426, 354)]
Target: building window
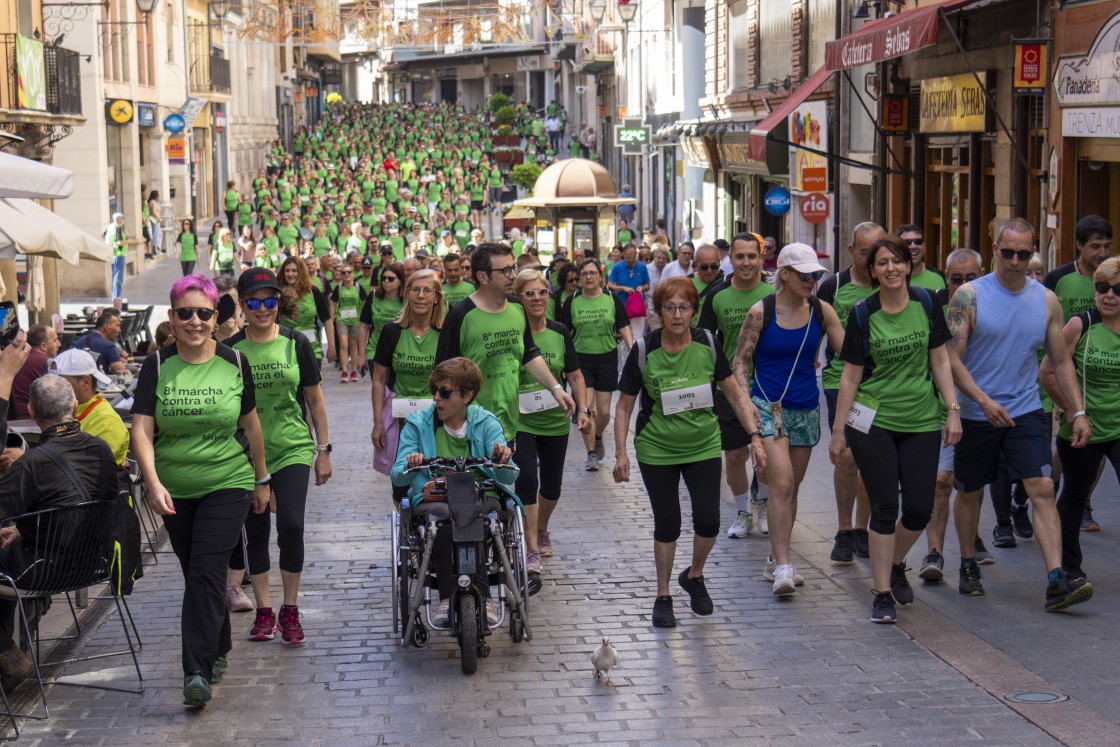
[(775, 40), (739, 42), (821, 30), (145, 53), (169, 19)]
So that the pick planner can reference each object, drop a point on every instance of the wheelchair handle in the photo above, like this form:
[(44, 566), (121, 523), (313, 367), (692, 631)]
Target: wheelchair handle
[(456, 464)]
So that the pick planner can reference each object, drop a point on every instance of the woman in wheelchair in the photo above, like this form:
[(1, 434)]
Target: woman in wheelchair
[(452, 427)]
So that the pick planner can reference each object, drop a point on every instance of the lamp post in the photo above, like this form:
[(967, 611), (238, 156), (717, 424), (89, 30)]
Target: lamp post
[(627, 11)]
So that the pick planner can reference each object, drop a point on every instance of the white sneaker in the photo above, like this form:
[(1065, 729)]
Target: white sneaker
[(772, 565), (442, 616), (784, 581), (742, 526), (758, 509), (491, 612)]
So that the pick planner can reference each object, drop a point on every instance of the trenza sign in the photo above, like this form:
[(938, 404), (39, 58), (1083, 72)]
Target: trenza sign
[(631, 135)]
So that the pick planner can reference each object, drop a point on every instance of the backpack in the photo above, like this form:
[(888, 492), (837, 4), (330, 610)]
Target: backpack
[(642, 347), (863, 314)]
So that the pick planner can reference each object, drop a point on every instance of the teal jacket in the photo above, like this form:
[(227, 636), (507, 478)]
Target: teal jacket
[(419, 436)]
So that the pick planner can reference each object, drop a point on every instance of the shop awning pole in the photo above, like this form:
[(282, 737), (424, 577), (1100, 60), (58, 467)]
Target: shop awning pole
[(874, 119), (987, 96), (840, 159)]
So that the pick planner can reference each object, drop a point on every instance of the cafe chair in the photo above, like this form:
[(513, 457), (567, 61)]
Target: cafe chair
[(67, 549)]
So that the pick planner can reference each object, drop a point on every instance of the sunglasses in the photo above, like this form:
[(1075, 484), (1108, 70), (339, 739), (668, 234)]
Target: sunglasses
[(915, 242), (390, 278), (707, 268), (1104, 288), (443, 392), (254, 304), (535, 293), (185, 313), (1023, 254), (813, 276), (960, 279)]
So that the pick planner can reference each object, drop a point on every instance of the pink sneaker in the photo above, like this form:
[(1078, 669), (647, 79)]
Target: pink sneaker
[(236, 599), (354, 376), (345, 378), (264, 629), (290, 628)]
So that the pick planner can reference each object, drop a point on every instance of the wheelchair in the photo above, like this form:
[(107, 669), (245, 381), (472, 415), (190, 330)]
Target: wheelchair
[(488, 542)]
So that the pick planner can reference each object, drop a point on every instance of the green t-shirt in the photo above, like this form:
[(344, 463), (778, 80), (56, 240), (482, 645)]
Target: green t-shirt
[(244, 214), (625, 236), (1097, 360), (1074, 290), (929, 280), (449, 446), (462, 231), (410, 361), (377, 312), (282, 367), (500, 343), (187, 247), (688, 436), (288, 235), (196, 407), (897, 382), (594, 322), (231, 199), (307, 319), (453, 294), (725, 311), (322, 245), (558, 352), (348, 303), (846, 297)]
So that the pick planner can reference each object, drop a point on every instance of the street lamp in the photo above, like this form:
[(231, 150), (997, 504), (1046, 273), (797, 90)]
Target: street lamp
[(219, 8), (627, 10), (118, 29), (598, 10)]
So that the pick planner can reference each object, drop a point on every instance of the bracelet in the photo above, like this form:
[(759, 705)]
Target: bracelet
[(1080, 414), (555, 387), (264, 480), (585, 410), (752, 434)]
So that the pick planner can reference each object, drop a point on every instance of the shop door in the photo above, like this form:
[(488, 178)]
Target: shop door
[(959, 197), (448, 91)]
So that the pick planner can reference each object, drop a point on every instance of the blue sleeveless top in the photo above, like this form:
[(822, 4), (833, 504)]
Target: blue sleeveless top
[(1002, 351), (774, 358)]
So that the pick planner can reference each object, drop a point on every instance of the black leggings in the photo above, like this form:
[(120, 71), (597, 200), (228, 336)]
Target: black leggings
[(551, 450), (1079, 472), (889, 461), (663, 485), (290, 486), (188, 268)]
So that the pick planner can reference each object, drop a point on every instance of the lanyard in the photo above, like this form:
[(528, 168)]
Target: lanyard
[(793, 368), (94, 403)]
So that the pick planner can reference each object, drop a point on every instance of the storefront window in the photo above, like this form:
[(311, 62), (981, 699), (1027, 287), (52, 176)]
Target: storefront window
[(739, 42)]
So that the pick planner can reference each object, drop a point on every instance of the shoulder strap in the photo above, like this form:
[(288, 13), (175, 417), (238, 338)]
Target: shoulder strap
[(711, 343), (814, 308), (67, 470), (769, 302), (863, 324), (640, 344)]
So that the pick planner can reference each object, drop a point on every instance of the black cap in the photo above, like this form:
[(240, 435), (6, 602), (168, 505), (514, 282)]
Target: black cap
[(368, 261), (255, 278), (386, 248)]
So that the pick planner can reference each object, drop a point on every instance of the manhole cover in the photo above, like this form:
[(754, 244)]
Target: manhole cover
[(1036, 697)]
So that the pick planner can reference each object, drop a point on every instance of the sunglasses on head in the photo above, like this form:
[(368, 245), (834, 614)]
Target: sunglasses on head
[(444, 392), (254, 304), (186, 312), (961, 279), (1104, 288), (1023, 254)]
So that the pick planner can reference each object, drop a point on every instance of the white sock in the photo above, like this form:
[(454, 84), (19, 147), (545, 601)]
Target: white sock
[(741, 503), (763, 492)]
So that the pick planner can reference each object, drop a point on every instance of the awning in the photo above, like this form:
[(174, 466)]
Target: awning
[(781, 114), (887, 38), (22, 177), (29, 228)]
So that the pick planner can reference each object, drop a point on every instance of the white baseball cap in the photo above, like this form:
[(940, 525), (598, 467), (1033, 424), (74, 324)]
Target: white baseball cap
[(75, 362), (800, 257)]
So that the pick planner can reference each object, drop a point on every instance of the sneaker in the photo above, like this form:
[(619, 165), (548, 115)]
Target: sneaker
[(592, 462), (1088, 523), (882, 609), (264, 629), (1021, 522), (742, 526), (345, 378), (600, 450), (969, 584), (900, 587), (663, 616), (982, 556), (236, 599), (1075, 573), (219, 669), (758, 509), (843, 547), (1002, 536), (492, 615), (933, 567), (862, 549), (196, 690), (533, 562), (544, 543), (772, 565), (290, 629), (442, 616), (784, 581), (700, 600), (1067, 592)]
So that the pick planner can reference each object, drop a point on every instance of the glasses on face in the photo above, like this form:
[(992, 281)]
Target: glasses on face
[(509, 272), (532, 293), (390, 279), (914, 242), (962, 279), (572, 279), (674, 310), (443, 392), (347, 274), (186, 312), (811, 276), (707, 268), (254, 304), (418, 291), (589, 274), (1023, 254), (1104, 288)]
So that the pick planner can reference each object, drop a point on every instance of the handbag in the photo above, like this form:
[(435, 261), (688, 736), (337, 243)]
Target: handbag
[(635, 305), (383, 458)]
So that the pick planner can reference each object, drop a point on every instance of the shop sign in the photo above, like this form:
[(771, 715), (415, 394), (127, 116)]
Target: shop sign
[(1091, 122), (1092, 79), (1030, 67), (776, 201), (528, 63), (808, 128), (145, 114), (954, 103), (118, 111), (176, 150), (814, 179), (219, 121), (695, 153), (905, 33), (896, 113), (174, 123), (632, 135), (815, 207), (735, 155)]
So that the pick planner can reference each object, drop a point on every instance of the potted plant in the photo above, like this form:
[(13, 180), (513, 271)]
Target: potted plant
[(525, 176)]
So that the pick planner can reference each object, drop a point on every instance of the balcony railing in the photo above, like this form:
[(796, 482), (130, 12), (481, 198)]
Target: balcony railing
[(219, 74), (61, 73)]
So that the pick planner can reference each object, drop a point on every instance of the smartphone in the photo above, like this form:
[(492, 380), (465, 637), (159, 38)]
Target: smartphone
[(9, 323)]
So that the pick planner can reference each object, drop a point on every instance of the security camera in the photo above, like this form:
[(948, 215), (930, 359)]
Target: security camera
[(581, 90)]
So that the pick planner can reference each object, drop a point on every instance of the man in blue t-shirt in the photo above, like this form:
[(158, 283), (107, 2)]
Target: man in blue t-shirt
[(626, 277), (102, 342)]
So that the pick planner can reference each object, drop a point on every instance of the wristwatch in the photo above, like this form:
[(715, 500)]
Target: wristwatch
[(555, 387), (585, 410), (324, 447), (955, 407), (752, 434)]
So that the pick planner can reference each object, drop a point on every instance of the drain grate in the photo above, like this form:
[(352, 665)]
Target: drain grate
[(1036, 698)]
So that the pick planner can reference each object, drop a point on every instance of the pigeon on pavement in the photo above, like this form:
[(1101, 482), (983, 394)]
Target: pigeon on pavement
[(603, 659)]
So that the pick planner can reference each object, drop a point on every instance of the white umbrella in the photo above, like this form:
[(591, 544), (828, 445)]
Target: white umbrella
[(29, 228), (22, 177)]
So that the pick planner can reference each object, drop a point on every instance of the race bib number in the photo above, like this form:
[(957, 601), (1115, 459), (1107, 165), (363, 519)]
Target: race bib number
[(405, 406), (860, 417), (348, 313), (536, 401), (676, 401)]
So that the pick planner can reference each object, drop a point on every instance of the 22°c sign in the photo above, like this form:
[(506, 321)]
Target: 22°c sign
[(631, 135)]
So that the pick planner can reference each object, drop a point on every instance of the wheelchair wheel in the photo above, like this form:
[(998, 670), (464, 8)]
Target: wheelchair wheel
[(420, 634), (516, 628), (519, 560), (396, 572), (468, 633)]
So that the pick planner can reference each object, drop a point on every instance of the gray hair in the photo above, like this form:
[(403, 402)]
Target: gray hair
[(52, 398), (659, 249), (866, 227), (1016, 225), (964, 255)]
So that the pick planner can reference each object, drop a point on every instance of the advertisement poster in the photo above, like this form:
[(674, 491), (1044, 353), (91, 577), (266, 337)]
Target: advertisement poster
[(31, 73)]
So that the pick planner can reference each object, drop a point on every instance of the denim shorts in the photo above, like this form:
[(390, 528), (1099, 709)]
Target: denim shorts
[(802, 427)]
